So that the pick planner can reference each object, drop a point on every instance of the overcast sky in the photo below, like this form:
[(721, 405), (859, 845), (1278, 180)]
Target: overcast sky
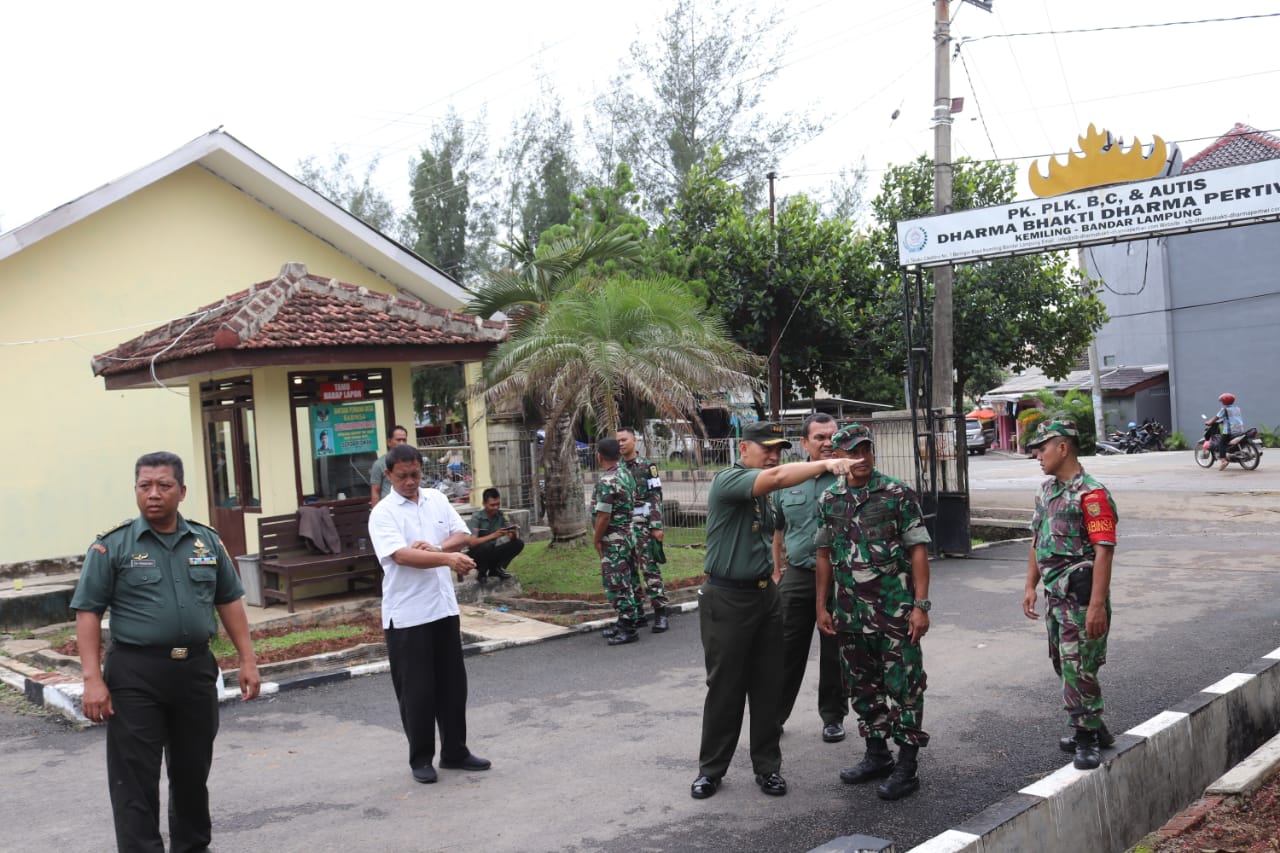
[(95, 90)]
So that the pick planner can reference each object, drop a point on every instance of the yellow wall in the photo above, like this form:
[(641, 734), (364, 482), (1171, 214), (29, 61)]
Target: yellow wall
[(182, 243)]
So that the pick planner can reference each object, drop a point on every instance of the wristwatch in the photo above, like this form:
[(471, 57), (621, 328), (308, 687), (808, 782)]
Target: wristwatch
[(922, 603)]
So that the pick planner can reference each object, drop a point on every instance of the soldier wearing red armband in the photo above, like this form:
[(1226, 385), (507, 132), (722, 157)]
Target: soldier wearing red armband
[(1073, 542)]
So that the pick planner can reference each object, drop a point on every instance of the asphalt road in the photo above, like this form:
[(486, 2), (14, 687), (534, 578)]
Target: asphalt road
[(594, 747)]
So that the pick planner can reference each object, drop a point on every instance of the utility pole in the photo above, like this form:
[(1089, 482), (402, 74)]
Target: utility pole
[(775, 362), (943, 391)]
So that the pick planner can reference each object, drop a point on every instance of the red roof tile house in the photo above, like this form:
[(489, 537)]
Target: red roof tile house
[(240, 388)]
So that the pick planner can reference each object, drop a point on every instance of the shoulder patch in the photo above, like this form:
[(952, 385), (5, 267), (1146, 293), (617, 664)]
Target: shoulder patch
[(1100, 520), (116, 527), (99, 547)]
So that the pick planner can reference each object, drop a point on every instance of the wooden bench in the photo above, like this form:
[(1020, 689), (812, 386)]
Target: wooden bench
[(288, 561)]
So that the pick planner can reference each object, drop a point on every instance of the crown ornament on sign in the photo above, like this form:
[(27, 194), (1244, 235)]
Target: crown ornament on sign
[(1104, 160)]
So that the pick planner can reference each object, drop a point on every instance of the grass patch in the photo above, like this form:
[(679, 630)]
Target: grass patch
[(222, 647), (577, 570)]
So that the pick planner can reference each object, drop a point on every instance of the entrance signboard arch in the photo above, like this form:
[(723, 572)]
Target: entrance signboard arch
[(1180, 204)]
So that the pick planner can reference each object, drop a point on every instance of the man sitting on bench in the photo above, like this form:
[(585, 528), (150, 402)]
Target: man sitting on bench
[(495, 541)]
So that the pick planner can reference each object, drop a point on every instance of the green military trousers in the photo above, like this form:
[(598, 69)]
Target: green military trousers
[(742, 647)]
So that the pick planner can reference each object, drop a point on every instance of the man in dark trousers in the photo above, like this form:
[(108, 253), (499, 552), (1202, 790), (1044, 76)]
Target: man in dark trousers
[(739, 610), (794, 560), (495, 540), (416, 535), (162, 576)]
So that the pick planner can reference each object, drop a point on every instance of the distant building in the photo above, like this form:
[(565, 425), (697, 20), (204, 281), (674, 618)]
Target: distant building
[(1207, 304)]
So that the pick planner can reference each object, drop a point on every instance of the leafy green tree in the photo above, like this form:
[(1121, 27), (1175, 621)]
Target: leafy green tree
[(437, 388), (813, 296), (1034, 310), (702, 84), (594, 346), (449, 220), (358, 197), (540, 170)]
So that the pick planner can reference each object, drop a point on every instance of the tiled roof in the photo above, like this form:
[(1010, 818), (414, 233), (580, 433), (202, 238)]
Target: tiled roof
[(1116, 379), (1242, 144), (299, 310)]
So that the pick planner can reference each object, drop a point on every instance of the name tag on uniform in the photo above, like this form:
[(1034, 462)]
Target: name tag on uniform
[(208, 560), (142, 564)]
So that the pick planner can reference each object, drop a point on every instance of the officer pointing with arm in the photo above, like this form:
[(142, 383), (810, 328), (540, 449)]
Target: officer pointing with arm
[(161, 576)]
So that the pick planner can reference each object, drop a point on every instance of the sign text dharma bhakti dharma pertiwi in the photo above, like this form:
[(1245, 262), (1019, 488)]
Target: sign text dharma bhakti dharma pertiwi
[(1102, 214)]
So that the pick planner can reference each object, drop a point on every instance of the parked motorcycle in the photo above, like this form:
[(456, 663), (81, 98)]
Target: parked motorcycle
[(1152, 435), (1246, 449)]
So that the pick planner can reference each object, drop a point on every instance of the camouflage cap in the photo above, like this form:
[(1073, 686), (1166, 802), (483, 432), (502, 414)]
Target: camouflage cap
[(766, 433), (1054, 429), (851, 436)]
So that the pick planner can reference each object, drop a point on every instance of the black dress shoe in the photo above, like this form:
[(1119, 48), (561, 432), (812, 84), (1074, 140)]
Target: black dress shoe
[(471, 762), (425, 775), (659, 623), (501, 574), (1105, 740), (833, 733), (772, 783), (703, 787)]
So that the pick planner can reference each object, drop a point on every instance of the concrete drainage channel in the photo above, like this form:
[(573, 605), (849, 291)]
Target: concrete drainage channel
[(1155, 770)]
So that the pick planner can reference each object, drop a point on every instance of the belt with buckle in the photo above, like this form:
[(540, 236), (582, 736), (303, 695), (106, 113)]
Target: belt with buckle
[(170, 652), (731, 584)]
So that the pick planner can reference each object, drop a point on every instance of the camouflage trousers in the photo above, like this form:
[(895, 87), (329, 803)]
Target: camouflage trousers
[(885, 680), (1076, 659), (646, 572), (616, 566)]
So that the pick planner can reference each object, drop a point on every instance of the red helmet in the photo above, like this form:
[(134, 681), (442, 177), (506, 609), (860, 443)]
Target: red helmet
[(1227, 399)]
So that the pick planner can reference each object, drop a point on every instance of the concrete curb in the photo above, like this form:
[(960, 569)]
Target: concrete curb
[(1152, 773), (65, 694)]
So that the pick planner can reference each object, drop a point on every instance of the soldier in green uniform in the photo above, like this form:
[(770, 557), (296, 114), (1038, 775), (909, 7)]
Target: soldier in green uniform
[(1073, 543), (873, 539), (613, 540), (740, 613), (646, 528), (161, 576), (495, 541), (796, 511)]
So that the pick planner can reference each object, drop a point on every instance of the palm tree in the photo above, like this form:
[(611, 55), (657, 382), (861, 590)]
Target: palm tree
[(590, 347), (523, 293)]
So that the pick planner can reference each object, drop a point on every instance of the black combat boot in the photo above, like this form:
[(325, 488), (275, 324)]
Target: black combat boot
[(876, 764), (659, 620), (1087, 754), (903, 781), (1105, 740), (624, 633)]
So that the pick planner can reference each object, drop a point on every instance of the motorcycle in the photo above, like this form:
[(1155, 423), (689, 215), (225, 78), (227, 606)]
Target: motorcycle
[(1152, 434), (1245, 449)]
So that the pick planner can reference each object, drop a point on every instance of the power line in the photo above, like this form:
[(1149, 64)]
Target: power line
[(968, 39)]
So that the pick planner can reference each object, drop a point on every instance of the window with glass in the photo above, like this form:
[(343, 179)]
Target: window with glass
[(340, 419)]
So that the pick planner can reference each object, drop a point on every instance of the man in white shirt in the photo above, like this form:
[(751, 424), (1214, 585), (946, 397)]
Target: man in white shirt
[(416, 535)]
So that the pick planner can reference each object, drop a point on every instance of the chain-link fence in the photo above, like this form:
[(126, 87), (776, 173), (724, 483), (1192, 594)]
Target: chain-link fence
[(936, 465)]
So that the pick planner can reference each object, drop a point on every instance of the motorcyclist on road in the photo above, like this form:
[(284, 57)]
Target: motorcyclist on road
[(1230, 422)]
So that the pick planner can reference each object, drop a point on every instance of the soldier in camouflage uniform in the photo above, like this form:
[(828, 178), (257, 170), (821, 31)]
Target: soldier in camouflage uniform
[(872, 537), (646, 528), (1073, 542), (614, 542)]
